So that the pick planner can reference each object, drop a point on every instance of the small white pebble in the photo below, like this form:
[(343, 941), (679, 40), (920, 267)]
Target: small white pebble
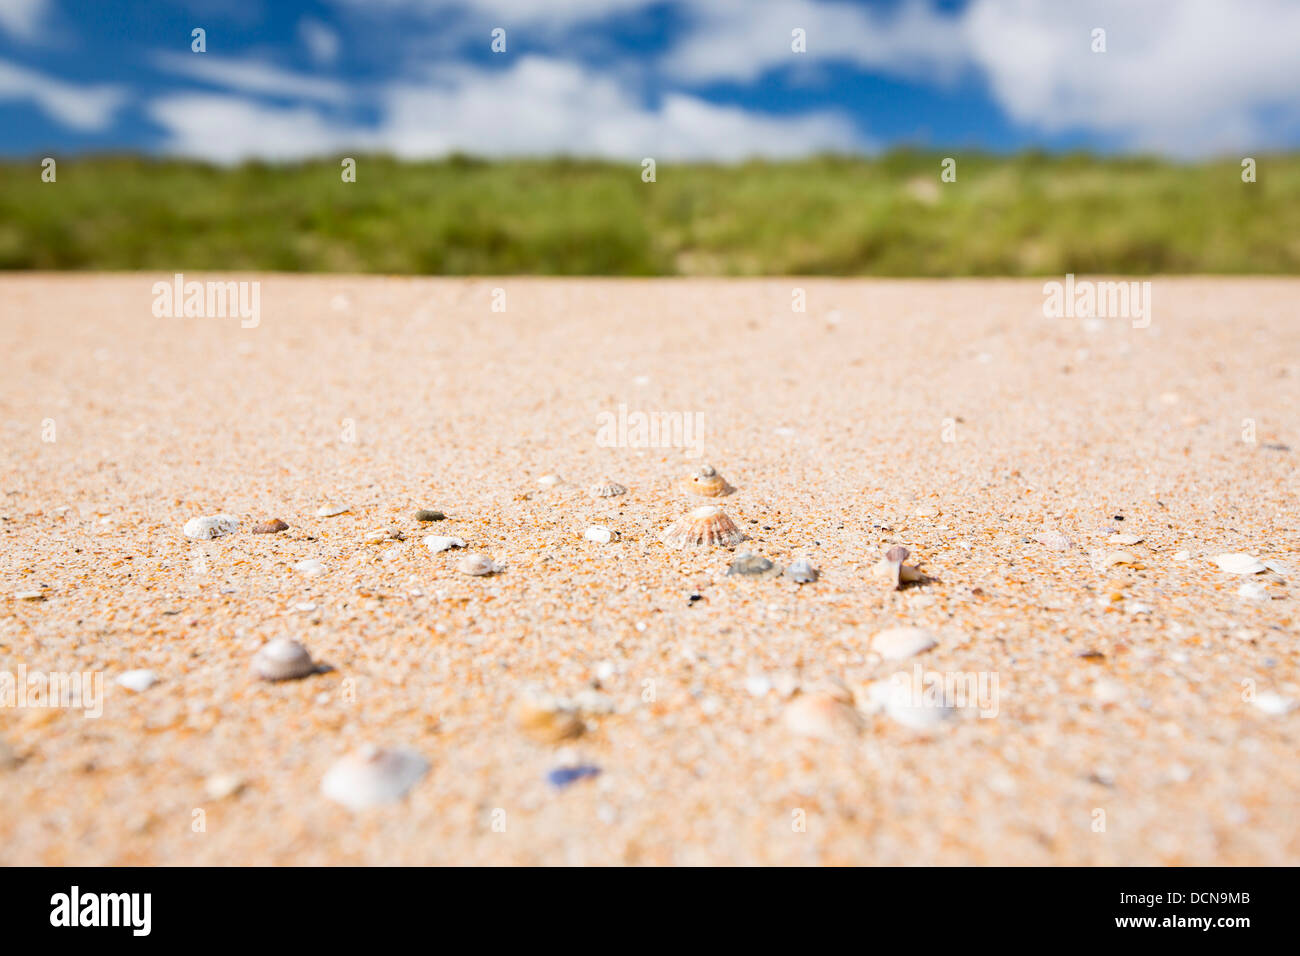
[(1274, 704), (599, 534)]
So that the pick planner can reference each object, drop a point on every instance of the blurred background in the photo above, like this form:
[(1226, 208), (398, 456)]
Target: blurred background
[(788, 136)]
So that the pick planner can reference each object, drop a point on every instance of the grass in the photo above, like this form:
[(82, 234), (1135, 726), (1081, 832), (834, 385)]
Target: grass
[(1029, 214)]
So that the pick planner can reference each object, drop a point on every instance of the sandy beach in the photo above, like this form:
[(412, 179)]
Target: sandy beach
[(1145, 708)]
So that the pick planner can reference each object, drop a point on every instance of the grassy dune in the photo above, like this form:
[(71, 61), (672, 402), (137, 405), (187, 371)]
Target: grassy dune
[(1029, 214)]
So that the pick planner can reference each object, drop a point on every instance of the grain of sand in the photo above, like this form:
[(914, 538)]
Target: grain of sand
[(844, 429)]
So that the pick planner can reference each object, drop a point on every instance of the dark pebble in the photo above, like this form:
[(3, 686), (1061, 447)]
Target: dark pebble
[(424, 514)]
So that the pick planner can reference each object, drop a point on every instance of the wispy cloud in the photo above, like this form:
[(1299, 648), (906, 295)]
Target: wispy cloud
[(85, 108), (23, 18), (251, 76)]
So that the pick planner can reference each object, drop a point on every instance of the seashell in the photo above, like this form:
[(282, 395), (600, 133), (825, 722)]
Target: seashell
[(1054, 540), (891, 568), (213, 526), (599, 534), (222, 785), (549, 481), (1112, 558), (137, 681), (29, 595), (478, 564), (822, 716), (927, 511), (1239, 563), (379, 536), (283, 659), (1121, 538), (897, 643), (753, 565), (547, 721), (706, 481), (439, 542), (907, 704), (311, 567), (274, 526), (801, 571), (425, 514), (1253, 591), (329, 511), (373, 775), (606, 489), (703, 526), (1275, 705)]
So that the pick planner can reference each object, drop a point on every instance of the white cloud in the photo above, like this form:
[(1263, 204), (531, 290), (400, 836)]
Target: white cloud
[(251, 76), (86, 108), (509, 12), (740, 40), (1184, 76), (23, 18), (538, 107), (321, 42)]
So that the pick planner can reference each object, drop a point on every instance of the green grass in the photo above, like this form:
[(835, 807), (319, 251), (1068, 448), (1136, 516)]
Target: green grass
[(1029, 214)]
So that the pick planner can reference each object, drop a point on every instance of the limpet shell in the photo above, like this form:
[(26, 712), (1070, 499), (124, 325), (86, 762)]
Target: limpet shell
[(801, 571), (607, 489), (373, 775), (708, 526), (753, 565), (706, 481), (1239, 562), (283, 659), (478, 564), (212, 526)]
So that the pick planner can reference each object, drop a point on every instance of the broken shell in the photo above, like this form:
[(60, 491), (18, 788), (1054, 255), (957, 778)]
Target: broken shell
[(891, 567), (606, 489), (801, 571), (329, 511), (213, 526), (706, 481), (1111, 558), (138, 681), (1054, 540), (753, 565), (379, 536), (1239, 563), (822, 716), (440, 542), (1124, 539), (270, 527), (703, 526), (897, 643), (546, 721), (283, 659), (373, 775), (599, 534), (478, 564)]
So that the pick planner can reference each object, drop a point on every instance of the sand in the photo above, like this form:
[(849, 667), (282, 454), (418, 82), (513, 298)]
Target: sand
[(950, 417)]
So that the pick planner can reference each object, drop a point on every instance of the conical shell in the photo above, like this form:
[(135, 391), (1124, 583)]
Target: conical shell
[(477, 564), (706, 481), (283, 659), (707, 526), (606, 489), (373, 775)]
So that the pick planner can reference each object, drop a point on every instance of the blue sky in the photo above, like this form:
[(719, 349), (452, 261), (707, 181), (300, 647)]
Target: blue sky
[(673, 79)]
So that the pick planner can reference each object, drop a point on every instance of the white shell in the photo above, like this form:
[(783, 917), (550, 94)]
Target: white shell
[(441, 542), (283, 659), (607, 489), (372, 775), (1274, 704), (898, 643), (478, 564), (1124, 539), (329, 511), (907, 705), (213, 526), (549, 481), (599, 534), (1054, 540), (138, 681), (822, 716), (1238, 562), (311, 567)]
